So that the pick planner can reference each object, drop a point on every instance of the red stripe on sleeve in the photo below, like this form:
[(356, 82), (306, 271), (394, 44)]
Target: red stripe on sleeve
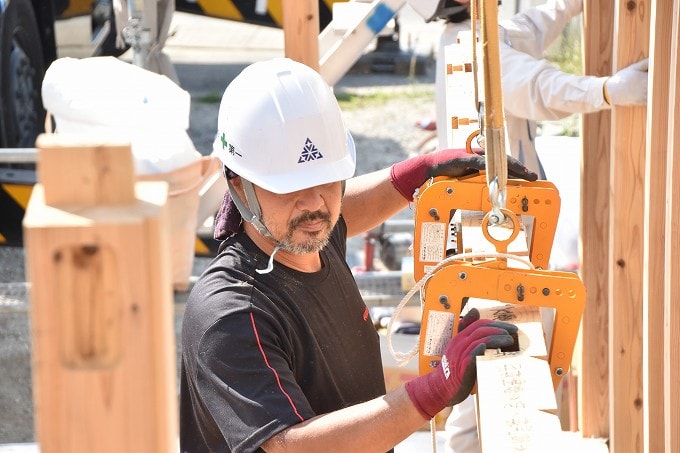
[(276, 375)]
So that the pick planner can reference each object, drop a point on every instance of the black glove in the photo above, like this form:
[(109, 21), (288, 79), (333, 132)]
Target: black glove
[(461, 163), (411, 173)]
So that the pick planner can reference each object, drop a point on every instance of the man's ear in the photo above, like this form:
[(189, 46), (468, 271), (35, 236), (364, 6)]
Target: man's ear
[(238, 184)]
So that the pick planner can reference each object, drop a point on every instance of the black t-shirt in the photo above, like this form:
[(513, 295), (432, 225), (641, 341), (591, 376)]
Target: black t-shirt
[(264, 352)]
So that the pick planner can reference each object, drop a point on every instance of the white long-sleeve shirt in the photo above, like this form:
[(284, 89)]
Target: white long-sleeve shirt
[(533, 88)]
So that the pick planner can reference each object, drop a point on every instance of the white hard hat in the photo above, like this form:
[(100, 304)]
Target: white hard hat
[(431, 9), (280, 127)]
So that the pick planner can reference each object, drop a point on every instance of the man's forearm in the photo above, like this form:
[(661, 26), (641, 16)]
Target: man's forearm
[(369, 200), (374, 426)]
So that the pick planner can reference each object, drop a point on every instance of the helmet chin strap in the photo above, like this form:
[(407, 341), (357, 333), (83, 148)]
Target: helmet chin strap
[(254, 216)]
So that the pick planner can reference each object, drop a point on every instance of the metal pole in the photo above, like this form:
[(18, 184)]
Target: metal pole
[(138, 33)]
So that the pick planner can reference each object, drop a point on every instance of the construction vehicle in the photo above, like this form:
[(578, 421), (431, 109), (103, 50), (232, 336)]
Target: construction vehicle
[(28, 43)]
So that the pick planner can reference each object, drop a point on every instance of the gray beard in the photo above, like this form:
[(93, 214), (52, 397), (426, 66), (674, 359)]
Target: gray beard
[(313, 243), (309, 246)]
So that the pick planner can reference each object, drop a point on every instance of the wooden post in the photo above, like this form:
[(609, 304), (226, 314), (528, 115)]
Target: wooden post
[(301, 31), (516, 403), (516, 408), (593, 371), (101, 302), (671, 369), (626, 240), (654, 245)]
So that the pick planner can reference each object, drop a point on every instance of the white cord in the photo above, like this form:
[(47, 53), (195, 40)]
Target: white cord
[(403, 358), (433, 434)]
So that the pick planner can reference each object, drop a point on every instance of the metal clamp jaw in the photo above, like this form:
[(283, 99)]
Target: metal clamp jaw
[(446, 290), (439, 198)]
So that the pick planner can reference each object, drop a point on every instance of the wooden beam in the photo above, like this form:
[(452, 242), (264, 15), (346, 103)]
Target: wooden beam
[(184, 185), (626, 240), (103, 345), (654, 225), (112, 167), (671, 418), (516, 403), (301, 31), (593, 371), (516, 406)]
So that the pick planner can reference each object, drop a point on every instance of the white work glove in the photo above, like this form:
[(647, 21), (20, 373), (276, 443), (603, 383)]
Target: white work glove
[(628, 86)]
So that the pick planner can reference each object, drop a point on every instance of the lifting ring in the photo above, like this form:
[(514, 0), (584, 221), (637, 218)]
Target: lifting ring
[(468, 142), (501, 244)]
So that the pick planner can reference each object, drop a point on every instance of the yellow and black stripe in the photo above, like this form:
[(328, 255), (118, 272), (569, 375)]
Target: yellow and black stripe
[(206, 245), (75, 8), (14, 200), (236, 10), (244, 11)]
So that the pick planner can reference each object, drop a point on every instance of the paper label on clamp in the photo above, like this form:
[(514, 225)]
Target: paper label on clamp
[(432, 241), (439, 332)]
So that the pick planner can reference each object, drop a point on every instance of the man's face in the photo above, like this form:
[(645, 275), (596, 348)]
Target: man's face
[(302, 221)]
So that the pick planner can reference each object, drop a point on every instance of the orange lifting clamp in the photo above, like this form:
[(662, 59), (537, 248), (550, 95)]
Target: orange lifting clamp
[(454, 280), (447, 289), (446, 283)]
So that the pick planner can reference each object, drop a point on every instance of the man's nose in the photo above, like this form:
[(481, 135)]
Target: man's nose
[(310, 200)]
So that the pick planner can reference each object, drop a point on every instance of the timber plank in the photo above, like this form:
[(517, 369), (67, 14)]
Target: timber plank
[(671, 369), (654, 243), (593, 370), (101, 316), (626, 229)]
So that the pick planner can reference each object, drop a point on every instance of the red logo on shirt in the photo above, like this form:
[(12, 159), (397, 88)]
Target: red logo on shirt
[(365, 313)]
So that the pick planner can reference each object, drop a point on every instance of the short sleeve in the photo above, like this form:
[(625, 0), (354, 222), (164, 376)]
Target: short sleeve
[(245, 382)]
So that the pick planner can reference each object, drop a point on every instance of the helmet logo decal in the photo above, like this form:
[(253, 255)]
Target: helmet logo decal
[(228, 146), (309, 152)]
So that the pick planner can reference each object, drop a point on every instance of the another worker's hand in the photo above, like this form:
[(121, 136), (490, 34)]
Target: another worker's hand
[(410, 174), (629, 85), (452, 381)]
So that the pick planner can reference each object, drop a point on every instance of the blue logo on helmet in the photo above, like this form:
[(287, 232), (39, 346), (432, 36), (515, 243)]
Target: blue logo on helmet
[(309, 152)]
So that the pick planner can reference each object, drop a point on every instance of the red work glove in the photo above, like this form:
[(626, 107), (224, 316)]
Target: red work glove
[(452, 381), (411, 173)]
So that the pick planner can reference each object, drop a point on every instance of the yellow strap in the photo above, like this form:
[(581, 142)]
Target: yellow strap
[(494, 121)]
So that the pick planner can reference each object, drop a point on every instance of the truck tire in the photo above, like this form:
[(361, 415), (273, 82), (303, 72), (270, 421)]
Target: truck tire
[(21, 72)]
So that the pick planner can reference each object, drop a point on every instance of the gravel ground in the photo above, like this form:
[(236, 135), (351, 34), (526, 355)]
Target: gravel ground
[(384, 127)]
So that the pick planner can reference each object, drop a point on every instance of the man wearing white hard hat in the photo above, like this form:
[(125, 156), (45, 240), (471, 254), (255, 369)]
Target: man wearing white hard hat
[(278, 348)]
